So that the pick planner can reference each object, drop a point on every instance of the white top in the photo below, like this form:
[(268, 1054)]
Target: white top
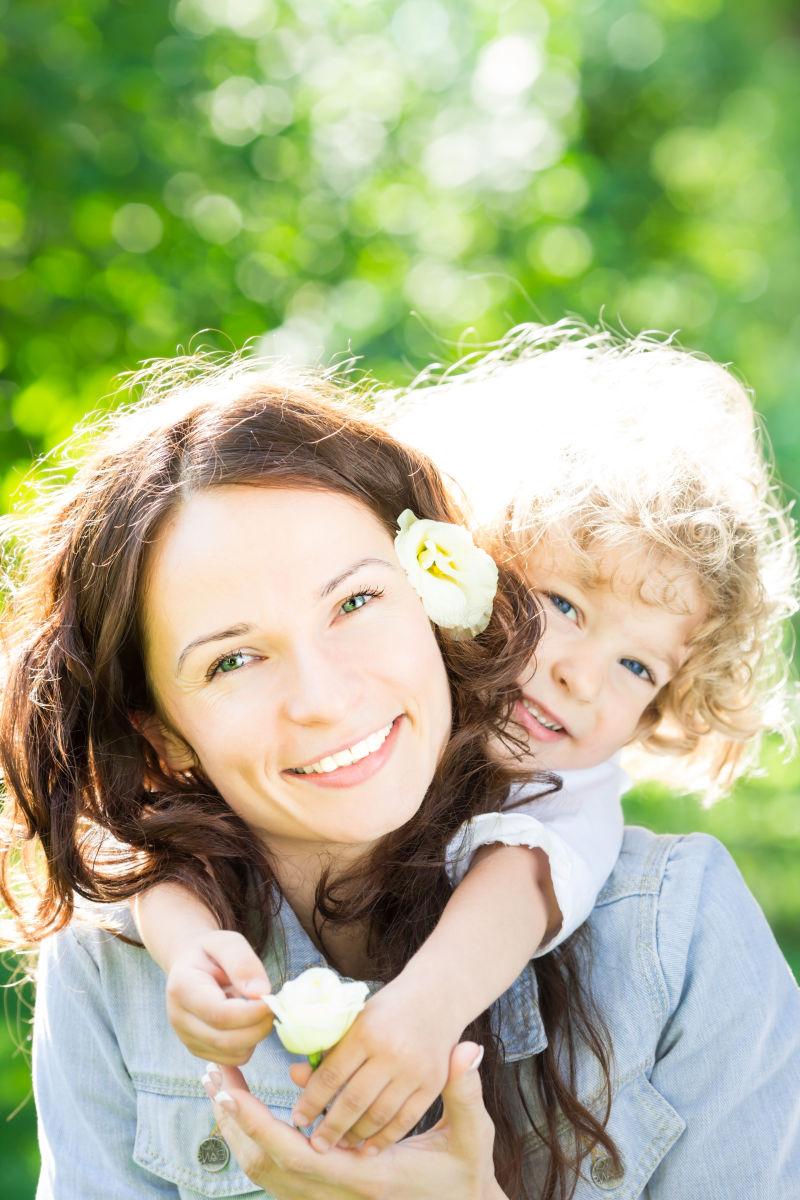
[(579, 828)]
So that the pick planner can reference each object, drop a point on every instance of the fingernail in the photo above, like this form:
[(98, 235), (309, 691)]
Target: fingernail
[(321, 1144), (226, 1102), (214, 1073), (372, 1151), (300, 1118), (211, 1088), (477, 1060)]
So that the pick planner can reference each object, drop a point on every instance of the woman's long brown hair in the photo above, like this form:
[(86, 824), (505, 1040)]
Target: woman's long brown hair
[(86, 793)]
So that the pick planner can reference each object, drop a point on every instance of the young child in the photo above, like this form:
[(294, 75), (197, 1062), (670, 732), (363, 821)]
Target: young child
[(629, 479)]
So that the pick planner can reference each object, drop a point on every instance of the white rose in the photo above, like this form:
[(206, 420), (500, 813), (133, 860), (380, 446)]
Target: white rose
[(315, 1010), (453, 577)]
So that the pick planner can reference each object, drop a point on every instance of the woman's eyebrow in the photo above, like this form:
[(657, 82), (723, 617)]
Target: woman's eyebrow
[(332, 584), (218, 636)]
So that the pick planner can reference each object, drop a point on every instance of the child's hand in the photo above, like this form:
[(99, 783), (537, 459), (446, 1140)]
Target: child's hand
[(202, 986), (388, 1069)]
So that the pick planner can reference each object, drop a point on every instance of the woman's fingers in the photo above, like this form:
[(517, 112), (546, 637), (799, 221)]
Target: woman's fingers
[(256, 1120), (267, 1149)]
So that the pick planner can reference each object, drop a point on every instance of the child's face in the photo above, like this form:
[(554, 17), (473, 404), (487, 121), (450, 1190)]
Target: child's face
[(607, 650)]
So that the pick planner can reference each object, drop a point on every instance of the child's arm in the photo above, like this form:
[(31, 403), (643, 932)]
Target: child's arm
[(579, 828), (204, 966), (392, 1063)]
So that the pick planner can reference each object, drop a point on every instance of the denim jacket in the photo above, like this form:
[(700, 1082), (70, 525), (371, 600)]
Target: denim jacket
[(703, 1013)]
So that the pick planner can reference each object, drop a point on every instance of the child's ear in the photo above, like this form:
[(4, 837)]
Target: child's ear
[(173, 752)]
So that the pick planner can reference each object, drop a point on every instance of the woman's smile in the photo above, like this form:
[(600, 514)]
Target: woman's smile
[(352, 764)]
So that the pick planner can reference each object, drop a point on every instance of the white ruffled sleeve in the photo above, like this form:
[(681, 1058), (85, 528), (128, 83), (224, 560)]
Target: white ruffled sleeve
[(579, 828)]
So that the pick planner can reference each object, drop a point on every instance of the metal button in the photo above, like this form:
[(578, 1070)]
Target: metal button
[(213, 1153), (604, 1174)]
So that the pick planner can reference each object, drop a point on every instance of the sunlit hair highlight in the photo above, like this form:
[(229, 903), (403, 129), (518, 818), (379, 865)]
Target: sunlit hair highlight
[(600, 443)]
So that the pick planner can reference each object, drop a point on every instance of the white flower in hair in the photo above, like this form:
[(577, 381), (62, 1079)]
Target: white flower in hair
[(453, 577)]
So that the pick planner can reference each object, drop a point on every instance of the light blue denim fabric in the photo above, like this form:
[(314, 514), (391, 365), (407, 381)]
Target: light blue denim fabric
[(703, 1012)]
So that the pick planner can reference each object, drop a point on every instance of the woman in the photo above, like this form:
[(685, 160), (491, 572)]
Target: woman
[(239, 497)]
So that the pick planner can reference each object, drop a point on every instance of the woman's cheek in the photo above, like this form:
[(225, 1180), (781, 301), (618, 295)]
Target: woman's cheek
[(229, 731)]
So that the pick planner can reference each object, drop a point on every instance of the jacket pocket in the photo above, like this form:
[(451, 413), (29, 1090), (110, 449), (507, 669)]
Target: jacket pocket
[(643, 1126), (173, 1121)]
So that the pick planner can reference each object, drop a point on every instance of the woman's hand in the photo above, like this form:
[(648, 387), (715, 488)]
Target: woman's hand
[(203, 1007), (452, 1159)]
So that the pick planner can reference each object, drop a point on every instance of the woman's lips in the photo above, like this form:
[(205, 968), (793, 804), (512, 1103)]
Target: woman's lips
[(524, 717), (357, 772)]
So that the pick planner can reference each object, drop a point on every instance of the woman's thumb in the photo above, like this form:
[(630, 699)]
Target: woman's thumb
[(462, 1097)]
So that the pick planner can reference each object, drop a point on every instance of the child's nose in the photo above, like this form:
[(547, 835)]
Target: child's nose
[(581, 676)]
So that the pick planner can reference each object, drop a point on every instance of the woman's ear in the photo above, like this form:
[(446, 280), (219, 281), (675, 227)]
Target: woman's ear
[(174, 754)]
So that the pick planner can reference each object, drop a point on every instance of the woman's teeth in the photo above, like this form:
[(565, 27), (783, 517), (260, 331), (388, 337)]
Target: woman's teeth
[(346, 758), (541, 718)]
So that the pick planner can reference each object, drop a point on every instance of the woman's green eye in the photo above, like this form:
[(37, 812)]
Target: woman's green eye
[(231, 662), (359, 599), (354, 602)]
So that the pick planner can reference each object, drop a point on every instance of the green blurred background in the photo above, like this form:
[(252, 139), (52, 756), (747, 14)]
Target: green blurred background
[(401, 181)]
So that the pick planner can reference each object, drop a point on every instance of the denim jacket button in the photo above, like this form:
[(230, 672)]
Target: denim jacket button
[(213, 1153), (604, 1174)]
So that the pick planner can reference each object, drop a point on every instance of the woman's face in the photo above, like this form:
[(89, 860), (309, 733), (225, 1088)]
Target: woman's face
[(294, 664)]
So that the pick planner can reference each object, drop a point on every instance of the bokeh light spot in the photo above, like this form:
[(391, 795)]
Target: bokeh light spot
[(137, 228), (560, 251), (506, 68), (635, 41), (216, 218)]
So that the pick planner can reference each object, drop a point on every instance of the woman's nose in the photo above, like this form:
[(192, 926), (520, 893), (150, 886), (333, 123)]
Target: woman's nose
[(318, 689)]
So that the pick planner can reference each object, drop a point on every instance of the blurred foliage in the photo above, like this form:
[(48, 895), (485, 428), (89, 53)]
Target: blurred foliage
[(382, 177), (400, 181)]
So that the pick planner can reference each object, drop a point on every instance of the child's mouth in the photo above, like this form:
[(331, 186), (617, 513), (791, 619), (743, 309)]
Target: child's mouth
[(541, 724)]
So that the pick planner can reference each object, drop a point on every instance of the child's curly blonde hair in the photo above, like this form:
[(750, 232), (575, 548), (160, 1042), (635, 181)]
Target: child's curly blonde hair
[(606, 443)]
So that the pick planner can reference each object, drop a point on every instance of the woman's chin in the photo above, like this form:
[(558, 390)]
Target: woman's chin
[(366, 832)]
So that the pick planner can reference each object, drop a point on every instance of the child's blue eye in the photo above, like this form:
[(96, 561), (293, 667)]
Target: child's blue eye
[(563, 606), (359, 599), (638, 669)]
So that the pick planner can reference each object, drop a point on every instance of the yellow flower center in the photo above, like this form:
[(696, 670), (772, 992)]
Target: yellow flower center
[(434, 559)]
